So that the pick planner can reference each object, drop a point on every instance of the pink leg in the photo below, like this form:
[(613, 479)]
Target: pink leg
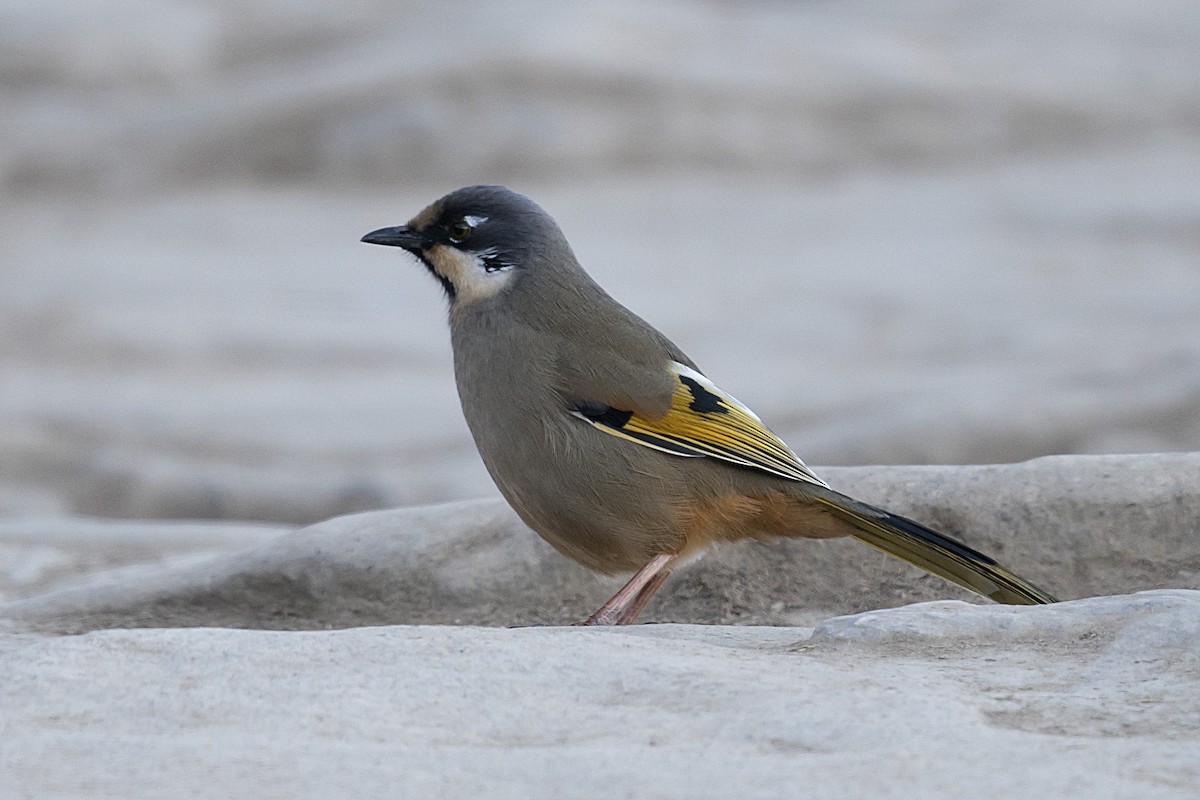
[(624, 606), (643, 597)]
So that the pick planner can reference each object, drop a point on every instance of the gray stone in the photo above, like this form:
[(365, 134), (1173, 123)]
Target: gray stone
[(1097, 698), (1078, 526)]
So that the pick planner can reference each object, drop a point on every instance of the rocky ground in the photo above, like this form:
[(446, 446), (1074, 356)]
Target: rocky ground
[(1093, 698), (350, 656)]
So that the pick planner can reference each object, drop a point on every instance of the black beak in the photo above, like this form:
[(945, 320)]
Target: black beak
[(400, 236)]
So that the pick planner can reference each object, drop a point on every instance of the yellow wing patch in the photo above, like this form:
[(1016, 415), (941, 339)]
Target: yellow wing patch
[(705, 421)]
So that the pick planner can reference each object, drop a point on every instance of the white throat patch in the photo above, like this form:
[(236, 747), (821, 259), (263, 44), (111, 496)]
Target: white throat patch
[(475, 276)]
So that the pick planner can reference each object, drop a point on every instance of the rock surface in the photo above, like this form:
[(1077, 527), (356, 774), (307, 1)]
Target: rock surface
[(1096, 698), (1077, 526), (161, 696)]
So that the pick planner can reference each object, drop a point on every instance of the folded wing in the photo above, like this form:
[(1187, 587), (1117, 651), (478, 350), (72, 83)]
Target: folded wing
[(703, 420)]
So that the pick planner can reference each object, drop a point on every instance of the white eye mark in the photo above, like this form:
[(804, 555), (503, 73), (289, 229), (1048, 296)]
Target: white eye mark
[(474, 222)]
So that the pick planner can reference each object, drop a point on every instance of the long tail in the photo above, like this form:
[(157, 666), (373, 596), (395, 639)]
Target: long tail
[(934, 552)]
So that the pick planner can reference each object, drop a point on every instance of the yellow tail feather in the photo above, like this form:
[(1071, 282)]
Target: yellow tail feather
[(934, 552)]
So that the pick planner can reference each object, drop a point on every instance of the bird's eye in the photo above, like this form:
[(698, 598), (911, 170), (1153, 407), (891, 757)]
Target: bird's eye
[(460, 231)]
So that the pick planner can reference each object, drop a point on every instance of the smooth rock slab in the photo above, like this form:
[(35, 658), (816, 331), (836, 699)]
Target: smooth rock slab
[(1098, 698), (44, 555), (1078, 526)]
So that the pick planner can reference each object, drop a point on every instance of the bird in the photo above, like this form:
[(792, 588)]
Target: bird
[(607, 439)]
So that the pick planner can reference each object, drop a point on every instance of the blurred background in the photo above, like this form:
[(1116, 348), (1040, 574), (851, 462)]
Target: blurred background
[(929, 232)]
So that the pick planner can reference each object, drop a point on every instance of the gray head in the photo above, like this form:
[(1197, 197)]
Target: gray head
[(479, 240)]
